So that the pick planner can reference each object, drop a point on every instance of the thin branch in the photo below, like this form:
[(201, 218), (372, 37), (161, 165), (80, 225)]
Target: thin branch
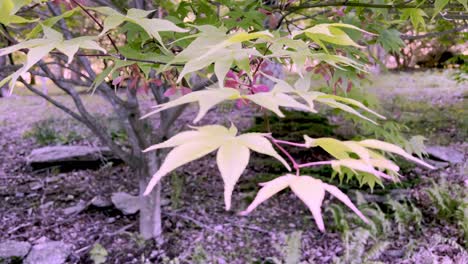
[(89, 120), (97, 23), (8, 37), (52, 101), (10, 41), (42, 74), (310, 16), (405, 5), (193, 220), (452, 16), (434, 34)]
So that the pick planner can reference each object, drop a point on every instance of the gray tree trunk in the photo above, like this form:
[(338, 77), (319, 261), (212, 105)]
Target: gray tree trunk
[(3, 63), (150, 205)]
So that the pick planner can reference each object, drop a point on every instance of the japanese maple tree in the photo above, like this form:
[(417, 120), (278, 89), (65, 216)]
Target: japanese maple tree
[(212, 53)]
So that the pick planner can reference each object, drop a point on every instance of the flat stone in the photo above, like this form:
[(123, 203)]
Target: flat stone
[(439, 164), (447, 154), (10, 248), (101, 201), (35, 186), (75, 209), (126, 203), (68, 158), (53, 252)]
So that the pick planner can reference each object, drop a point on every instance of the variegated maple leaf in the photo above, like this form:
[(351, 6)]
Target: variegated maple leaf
[(331, 33), (39, 48), (8, 9), (303, 89), (213, 45), (368, 159), (232, 157), (310, 190), (214, 95), (137, 16)]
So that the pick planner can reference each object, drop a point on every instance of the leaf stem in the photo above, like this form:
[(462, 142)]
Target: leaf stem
[(315, 163), (285, 152), (297, 166), (284, 142)]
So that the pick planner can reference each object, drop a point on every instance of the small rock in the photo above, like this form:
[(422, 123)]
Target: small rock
[(35, 186), (70, 157), (32, 195), (395, 253), (79, 207), (41, 240), (439, 164), (447, 154), (101, 201), (19, 195), (54, 252), (47, 205), (53, 179), (10, 248), (165, 202), (126, 203)]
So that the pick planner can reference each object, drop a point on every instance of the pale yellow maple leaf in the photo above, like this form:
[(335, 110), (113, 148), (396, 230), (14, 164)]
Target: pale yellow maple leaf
[(310, 190)]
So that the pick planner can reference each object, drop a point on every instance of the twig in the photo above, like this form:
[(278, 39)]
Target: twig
[(13, 230), (52, 101), (193, 220), (434, 34), (121, 230), (255, 228), (97, 23), (404, 5)]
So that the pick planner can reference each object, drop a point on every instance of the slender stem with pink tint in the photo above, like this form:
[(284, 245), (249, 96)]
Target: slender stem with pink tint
[(296, 165), (285, 152), (315, 163), (284, 142)]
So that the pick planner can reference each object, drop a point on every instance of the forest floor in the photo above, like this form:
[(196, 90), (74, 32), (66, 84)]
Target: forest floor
[(421, 220)]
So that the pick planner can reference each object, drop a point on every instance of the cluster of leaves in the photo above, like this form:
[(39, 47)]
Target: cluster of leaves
[(174, 48)]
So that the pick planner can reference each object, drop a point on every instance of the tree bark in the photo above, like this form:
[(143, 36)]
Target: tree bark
[(150, 205), (3, 63)]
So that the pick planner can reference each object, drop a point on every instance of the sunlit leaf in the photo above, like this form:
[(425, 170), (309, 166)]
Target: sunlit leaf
[(206, 100), (384, 146), (331, 33), (39, 48), (310, 190), (152, 26), (232, 157)]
